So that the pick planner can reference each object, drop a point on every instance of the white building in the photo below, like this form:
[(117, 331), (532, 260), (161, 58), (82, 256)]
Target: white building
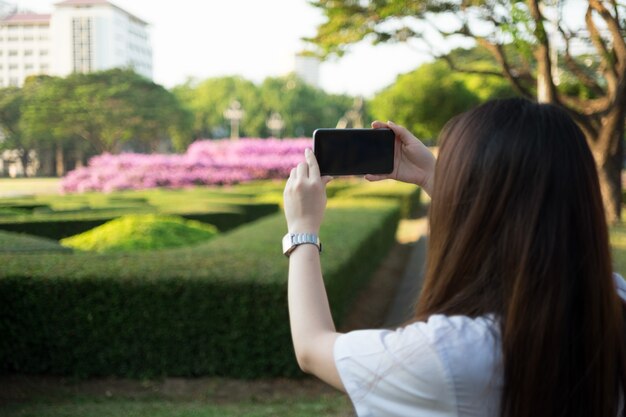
[(308, 69), (79, 36)]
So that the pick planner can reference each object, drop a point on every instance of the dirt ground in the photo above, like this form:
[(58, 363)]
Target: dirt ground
[(368, 311)]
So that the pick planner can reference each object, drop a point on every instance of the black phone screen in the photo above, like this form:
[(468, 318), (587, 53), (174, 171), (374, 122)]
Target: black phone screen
[(354, 151)]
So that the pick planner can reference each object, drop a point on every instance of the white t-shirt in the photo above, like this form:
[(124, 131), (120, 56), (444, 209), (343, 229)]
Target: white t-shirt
[(446, 366)]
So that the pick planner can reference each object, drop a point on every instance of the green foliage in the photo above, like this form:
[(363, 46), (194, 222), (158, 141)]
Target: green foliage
[(618, 246), (407, 196), (207, 100), (20, 243), (10, 103), (485, 87), (106, 109), (219, 308), (58, 217), (142, 232), (302, 107), (424, 100)]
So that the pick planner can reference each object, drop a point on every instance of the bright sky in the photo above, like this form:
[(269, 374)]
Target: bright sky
[(254, 39)]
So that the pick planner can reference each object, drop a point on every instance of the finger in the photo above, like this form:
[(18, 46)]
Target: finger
[(402, 133), (326, 179), (372, 178), (377, 124), (314, 169), (302, 170), (292, 174)]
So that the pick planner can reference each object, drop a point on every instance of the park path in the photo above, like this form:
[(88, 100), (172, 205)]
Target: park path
[(403, 305)]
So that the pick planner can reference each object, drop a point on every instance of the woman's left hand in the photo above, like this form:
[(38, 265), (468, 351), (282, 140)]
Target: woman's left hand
[(305, 196)]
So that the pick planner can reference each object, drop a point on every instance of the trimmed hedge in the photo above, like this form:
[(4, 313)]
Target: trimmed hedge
[(216, 309), (58, 217), (61, 225), (407, 195), (140, 232), (18, 243)]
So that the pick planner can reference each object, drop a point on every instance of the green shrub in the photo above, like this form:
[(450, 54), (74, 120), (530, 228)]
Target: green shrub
[(60, 225), (219, 308), (20, 243), (407, 195), (140, 232), (58, 217)]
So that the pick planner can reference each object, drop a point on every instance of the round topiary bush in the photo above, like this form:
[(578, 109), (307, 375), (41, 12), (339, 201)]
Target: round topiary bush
[(142, 232)]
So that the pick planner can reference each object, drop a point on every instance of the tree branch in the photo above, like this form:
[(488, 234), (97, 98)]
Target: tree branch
[(455, 67), (603, 51), (498, 53), (546, 90), (579, 72), (619, 44), (588, 107), (588, 125)]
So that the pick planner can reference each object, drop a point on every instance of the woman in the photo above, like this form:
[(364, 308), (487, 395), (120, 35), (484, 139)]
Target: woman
[(519, 315)]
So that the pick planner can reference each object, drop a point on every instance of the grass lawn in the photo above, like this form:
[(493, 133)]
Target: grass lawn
[(172, 397), (10, 187), (331, 405)]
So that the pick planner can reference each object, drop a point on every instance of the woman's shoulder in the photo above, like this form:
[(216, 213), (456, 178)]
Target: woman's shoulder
[(442, 363), (458, 329)]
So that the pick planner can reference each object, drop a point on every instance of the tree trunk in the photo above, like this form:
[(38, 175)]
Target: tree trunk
[(608, 150), (46, 162), (80, 156), (25, 160), (60, 161)]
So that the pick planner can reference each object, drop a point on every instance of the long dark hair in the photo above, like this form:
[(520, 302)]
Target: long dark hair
[(517, 229)]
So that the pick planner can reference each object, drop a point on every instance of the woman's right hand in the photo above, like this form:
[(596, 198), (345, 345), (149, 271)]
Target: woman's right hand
[(413, 161)]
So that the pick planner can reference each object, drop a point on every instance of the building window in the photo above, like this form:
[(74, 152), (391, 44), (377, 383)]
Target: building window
[(13, 52), (43, 67), (43, 52), (28, 52), (13, 81), (81, 34), (28, 67), (12, 67), (12, 39)]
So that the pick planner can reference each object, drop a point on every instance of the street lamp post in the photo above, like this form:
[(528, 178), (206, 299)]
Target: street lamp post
[(275, 124), (234, 113)]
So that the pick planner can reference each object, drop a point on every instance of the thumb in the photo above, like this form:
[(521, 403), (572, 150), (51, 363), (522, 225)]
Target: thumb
[(326, 179)]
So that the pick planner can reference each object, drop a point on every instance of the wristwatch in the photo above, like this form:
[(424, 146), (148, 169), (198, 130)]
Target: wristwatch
[(292, 240)]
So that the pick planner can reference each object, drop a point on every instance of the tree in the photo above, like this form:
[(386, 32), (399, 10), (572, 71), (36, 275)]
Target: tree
[(423, 100), (10, 104), (106, 109), (545, 47), (208, 100), (303, 107)]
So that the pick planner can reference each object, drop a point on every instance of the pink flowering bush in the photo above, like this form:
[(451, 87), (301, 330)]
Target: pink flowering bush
[(206, 162)]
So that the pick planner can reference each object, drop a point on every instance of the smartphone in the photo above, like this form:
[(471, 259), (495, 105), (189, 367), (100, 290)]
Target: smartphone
[(354, 151)]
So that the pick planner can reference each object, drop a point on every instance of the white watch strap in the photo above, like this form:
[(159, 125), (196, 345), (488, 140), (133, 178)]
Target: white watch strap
[(292, 240)]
